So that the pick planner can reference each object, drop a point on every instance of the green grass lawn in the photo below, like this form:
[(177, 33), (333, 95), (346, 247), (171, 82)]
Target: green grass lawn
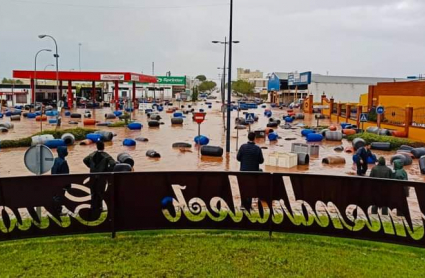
[(207, 254)]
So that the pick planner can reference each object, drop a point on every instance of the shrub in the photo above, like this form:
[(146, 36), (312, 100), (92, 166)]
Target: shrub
[(372, 116), (79, 133), (394, 141), (318, 128), (23, 142), (118, 124)]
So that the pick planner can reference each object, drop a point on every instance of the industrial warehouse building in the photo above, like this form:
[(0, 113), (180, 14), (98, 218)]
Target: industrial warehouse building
[(287, 87)]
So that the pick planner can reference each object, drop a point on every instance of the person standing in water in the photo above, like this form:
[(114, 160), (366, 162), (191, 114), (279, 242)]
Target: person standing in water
[(60, 165), (250, 155)]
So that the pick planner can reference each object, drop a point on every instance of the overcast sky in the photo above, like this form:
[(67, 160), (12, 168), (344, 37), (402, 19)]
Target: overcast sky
[(343, 37)]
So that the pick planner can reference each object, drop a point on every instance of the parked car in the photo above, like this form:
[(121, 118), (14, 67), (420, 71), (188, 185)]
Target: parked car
[(81, 101), (296, 104), (258, 100)]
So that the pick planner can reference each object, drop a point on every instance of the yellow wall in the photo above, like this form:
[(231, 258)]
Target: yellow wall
[(417, 134), (402, 101), (364, 99), (325, 111)]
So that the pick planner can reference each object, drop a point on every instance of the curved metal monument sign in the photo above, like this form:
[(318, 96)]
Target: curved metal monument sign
[(382, 210)]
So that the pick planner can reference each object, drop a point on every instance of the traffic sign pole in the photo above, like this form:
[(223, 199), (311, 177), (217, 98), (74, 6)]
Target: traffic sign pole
[(363, 119), (199, 118), (237, 133), (380, 110), (249, 118)]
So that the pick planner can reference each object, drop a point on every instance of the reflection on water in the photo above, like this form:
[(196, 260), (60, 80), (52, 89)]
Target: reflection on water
[(175, 159)]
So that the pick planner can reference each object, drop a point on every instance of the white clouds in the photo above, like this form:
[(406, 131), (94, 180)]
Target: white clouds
[(375, 37)]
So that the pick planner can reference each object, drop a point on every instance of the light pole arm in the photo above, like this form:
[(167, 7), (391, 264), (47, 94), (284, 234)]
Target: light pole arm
[(57, 67), (35, 70), (56, 45)]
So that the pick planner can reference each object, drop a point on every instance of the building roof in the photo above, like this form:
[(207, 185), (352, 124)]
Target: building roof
[(319, 78), (281, 75)]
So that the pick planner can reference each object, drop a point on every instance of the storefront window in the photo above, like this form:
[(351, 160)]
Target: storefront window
[(21, 98)]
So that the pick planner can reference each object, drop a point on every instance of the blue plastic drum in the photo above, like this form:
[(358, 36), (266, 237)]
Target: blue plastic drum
[(94, 137), (201, 140), (129, 142), (314, 137), (273, 136), (289, 120), (135, 126), (55, 143), (306, 132)]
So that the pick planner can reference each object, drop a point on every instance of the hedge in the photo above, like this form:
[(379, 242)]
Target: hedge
[(120, 124), (395, 142)]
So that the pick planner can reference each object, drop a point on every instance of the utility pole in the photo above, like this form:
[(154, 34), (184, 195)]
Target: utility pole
[(154, 85), (229, 83)]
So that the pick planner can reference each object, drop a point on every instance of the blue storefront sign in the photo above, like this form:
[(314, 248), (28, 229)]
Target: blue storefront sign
[(297, 79)]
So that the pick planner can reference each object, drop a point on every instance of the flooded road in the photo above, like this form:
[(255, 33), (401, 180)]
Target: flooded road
[(162, 138)]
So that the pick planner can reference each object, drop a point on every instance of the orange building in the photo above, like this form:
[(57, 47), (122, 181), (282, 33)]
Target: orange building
[(403, 102), (400, 94)]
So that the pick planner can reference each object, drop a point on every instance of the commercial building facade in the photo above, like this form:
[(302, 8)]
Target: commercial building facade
[(168, 87), (289, 86), (20, 94), (247, 74), (260, 86)]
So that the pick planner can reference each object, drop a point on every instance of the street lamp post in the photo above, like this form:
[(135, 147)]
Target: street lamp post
[(35, 72), (229, 89), (49, 65), (229, 83), (56, 55), (223, 88)]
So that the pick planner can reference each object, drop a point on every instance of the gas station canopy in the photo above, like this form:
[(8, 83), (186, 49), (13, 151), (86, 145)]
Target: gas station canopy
[(73, 76), (85, 76)]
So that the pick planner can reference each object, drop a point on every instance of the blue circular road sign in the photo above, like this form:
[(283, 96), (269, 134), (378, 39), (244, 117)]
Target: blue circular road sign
[(380, 110)]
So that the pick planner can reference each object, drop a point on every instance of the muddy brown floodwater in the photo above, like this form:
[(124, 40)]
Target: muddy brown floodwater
[(162, 138)]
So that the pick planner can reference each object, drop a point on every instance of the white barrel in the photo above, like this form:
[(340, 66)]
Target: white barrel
[(6, 125), (41, 139), (68, 138), (15, 117), (372, 129), (333, 135)]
